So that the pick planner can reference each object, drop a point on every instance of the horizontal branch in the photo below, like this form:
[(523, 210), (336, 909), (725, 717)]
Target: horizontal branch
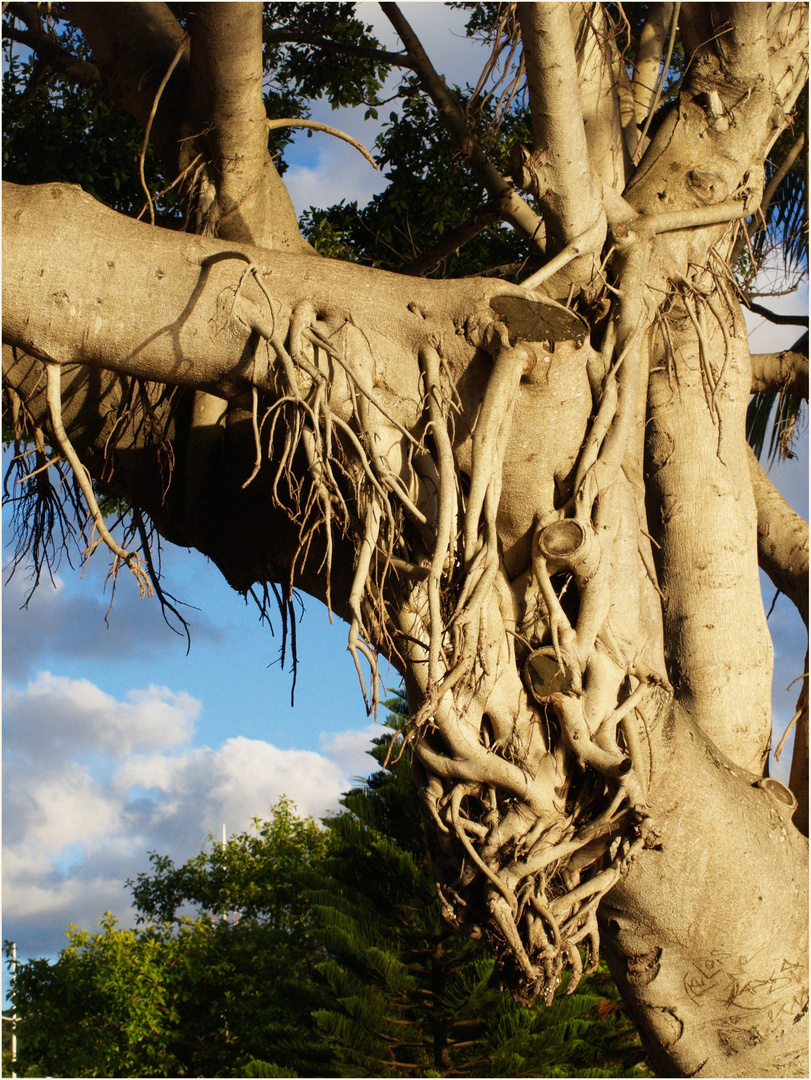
[(627, 223), (100, 289), (785, 372), (782, 539), (773, 317)]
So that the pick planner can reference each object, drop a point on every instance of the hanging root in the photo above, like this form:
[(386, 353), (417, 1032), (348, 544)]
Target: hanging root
[(531, 732), (528, 728), (495, 418), (362, 568), (54, 398), (447, 511)]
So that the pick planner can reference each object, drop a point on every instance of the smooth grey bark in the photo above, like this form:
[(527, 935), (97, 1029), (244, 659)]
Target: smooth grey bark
[(560, 168), (593, 752), (782, 540), (785, 371), (650, 55)]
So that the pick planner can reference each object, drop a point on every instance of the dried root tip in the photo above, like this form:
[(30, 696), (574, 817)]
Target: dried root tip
[(54, 397)]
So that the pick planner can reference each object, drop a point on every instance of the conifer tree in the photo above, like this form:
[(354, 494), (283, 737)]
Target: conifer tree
[(403, 995)]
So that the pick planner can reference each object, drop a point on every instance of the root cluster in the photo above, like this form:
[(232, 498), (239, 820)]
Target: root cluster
[(529, 696)]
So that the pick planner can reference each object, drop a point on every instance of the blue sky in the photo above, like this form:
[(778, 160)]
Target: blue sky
[(116, 742)]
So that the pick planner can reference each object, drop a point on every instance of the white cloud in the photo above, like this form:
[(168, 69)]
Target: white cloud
[(350, 749), (93, 782), (55, 715), (335, 176)]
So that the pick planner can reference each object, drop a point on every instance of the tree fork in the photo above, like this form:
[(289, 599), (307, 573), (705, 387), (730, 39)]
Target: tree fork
[(507, 572)]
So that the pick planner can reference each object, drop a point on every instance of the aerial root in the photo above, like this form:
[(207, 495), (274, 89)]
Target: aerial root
[(362, 567), (446, 515), (494, 420), (532, 852), (54, 399)]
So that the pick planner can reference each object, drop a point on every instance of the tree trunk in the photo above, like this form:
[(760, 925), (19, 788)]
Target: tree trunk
[(542, 513)]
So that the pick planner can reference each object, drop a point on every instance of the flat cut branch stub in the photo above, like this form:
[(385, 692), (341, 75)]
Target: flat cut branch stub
[(533, 320)]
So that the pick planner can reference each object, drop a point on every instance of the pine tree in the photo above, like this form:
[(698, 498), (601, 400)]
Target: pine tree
[(403, 995)]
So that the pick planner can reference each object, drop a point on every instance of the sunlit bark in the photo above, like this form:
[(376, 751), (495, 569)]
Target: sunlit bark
[(545, 516)]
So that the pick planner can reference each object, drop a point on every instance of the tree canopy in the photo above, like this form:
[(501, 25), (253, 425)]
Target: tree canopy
[(496, 420)]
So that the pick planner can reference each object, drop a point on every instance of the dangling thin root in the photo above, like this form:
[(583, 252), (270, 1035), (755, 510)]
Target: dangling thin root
[(54, 398), (365, 552), (255, 422)]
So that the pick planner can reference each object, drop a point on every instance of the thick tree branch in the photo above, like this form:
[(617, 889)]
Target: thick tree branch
[(48, 49), (511, 206), (559, 170), (788, 50), (649, 58), (722, 112), (782, 539), (186, 329), (599, 71), (741, 40), (192, 311), (785, 372), (744, 38), (247, 201), (735, 33)]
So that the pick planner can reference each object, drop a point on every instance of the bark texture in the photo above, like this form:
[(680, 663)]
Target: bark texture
[(544, 514)]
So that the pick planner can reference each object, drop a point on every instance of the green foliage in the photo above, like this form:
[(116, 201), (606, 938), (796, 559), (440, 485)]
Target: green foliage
[(306, 952), (106, 1007), (252, 876), (403, 995), (314, 67), (183, 996), (263, 1068), (56, 130), (428, 197)]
